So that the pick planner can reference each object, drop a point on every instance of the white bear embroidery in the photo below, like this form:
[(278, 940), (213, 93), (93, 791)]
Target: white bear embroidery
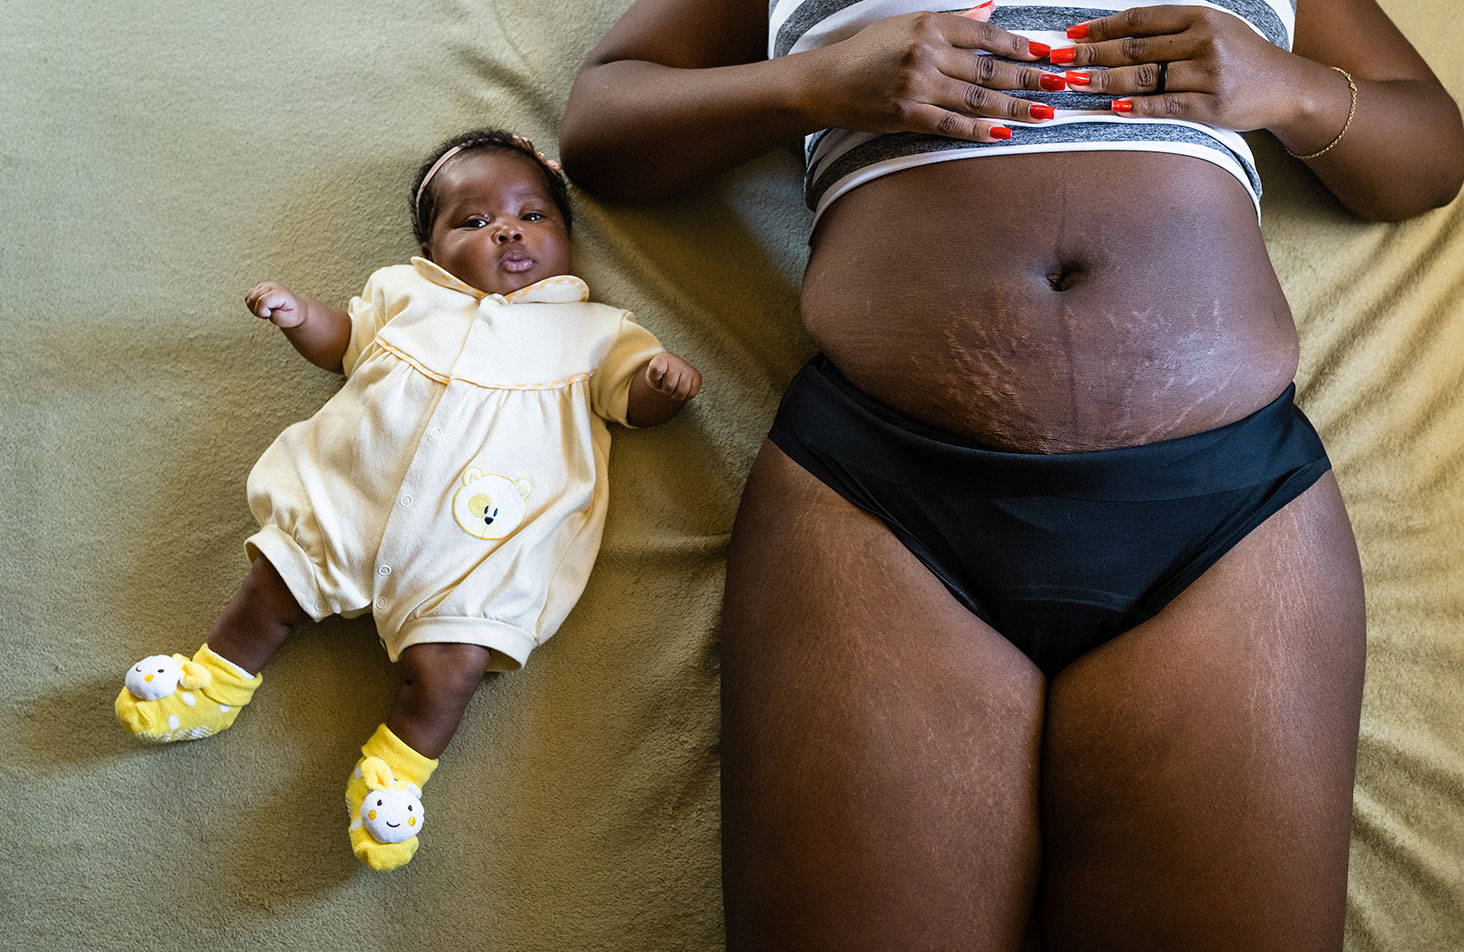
[(488, 505)]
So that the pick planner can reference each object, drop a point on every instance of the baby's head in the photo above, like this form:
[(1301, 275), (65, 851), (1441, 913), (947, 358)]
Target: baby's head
[(493, 212)]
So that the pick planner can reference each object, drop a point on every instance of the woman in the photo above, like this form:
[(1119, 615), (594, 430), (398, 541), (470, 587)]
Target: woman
[(1042, 590)]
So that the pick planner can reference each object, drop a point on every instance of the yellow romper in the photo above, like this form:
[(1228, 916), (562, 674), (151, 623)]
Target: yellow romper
[(456, 485)]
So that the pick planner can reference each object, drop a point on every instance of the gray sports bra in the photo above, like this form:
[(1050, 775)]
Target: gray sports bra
[(840, 159)]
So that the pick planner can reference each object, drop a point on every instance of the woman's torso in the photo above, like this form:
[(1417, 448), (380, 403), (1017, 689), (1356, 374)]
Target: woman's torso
[(1049, 303), (1054, 300)]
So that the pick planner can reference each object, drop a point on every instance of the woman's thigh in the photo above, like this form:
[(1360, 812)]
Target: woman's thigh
[(1197, 771), (879, 743)]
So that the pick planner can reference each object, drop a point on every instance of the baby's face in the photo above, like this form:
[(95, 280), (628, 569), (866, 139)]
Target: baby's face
[(496, 227)]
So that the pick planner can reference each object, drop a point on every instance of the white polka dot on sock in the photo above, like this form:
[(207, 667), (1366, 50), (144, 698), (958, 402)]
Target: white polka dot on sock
[(188, 699), (225, 708), (172, 722)]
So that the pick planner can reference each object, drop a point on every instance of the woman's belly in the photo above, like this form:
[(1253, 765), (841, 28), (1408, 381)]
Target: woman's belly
[(1053, 303)]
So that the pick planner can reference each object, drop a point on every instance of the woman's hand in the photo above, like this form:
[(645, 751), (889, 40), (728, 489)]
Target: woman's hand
[(1219, 71), (275, 303), (922, 73)]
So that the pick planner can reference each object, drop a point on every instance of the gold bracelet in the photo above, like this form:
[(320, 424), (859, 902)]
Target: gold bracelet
[(1351, 111)]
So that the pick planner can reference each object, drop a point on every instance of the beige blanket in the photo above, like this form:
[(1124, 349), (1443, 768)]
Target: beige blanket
[(158, 158)]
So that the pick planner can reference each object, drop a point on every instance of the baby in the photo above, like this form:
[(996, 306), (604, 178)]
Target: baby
[(455, 486)]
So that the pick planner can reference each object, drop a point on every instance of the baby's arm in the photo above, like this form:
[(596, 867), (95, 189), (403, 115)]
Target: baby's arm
[(660, 388), (319, 332)]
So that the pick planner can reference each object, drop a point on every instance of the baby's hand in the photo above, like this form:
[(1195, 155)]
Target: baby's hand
[(276, 304), (670, 375)]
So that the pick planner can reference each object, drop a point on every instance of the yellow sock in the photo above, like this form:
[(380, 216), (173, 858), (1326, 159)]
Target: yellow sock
[(391, 774), (168, 697)]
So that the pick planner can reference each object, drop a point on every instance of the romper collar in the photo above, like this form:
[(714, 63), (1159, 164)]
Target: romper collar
[(560, 289)]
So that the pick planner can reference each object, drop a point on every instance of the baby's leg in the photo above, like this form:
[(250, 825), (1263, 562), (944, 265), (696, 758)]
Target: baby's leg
[(439, 680), (258, 620), (168, 698)]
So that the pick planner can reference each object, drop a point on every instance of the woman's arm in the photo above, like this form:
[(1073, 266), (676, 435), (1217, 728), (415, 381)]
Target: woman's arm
[(674, 93), (1403, 151), (680, 90)]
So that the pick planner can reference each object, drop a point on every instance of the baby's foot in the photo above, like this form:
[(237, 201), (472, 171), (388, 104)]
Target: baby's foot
[(384, 800), (168, 697)]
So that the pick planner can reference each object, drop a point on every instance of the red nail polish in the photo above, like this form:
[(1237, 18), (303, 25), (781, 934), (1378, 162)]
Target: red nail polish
[(976, 10), (1076, 77), (1038, 49), (1051, 82), (1065, 55), (1000, 132), (1038, 111), (1123, 105), (1079, 32)]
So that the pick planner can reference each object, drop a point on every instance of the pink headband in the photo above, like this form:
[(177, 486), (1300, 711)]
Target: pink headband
[(417, 202), (442, 160)]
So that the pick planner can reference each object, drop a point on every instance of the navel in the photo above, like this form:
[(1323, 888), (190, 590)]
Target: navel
[(1065, 275)]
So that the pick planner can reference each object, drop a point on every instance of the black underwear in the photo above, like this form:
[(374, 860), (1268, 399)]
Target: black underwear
[(1058, 552)]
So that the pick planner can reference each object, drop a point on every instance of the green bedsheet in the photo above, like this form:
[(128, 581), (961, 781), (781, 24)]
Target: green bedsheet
[(159, 158)]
